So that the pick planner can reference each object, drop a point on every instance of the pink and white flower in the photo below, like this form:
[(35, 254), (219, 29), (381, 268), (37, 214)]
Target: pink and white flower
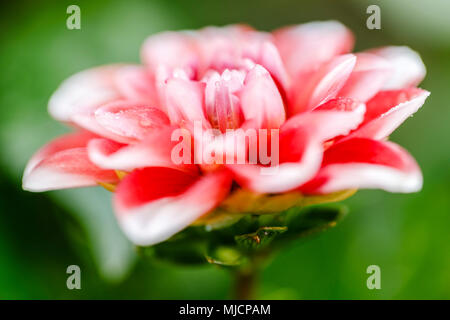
[(333, 109)]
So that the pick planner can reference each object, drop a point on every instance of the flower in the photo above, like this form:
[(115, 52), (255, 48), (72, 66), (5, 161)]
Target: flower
[(331, 110)]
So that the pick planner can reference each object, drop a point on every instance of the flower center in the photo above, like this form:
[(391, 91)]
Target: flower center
[(222, 105)]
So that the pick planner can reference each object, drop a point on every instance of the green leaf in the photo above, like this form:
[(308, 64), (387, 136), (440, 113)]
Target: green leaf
[(259, 239)]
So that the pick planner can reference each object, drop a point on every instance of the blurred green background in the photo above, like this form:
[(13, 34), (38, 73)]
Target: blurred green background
[(407, 235)]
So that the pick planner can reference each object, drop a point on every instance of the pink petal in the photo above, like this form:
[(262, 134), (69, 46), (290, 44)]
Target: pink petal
[(408, 67), (154, 150), (333, 118), (170, 49), (121, 121), (305, 47), (316, 88), (287, 175), (130, 120), (219, 148), (63, 163), (261, 101), (271, 60), (83, 91), (368, 77), (301, 147), (341, 104), (153, 204), (71, 140), (184, 100), (365, 163), (86, 120), (136, 83), (223, 48), (388, 110)]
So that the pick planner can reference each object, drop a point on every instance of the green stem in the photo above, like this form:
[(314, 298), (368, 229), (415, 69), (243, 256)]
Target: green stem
[(245, 283), (247, 276)]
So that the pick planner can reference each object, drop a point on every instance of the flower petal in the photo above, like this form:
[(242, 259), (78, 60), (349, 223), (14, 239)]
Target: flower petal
[(223, 48), (301, 147), (271, 60), (63, 163), (388, 110), (130, 120), (170, 49), (122, 121), (67, 141), (316, 88), (260, 99), (184, 100), (366, 163), (152, 204), (155, 150), (368, 77), (302, 163), (136, 83), (86, 120), (305, 47), (83, 91), (408, 67), (336, 117)]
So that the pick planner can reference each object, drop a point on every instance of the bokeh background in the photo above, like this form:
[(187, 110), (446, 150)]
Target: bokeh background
[(407, 235)]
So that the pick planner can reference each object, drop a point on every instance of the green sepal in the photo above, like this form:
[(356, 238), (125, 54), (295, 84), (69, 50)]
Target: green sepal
[(185, 248), (311, 220), (225, 256), (252, 235), (259, 239)]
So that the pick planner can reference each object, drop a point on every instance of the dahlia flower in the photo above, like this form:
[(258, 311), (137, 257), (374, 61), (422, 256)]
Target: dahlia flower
[(331, 112)]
